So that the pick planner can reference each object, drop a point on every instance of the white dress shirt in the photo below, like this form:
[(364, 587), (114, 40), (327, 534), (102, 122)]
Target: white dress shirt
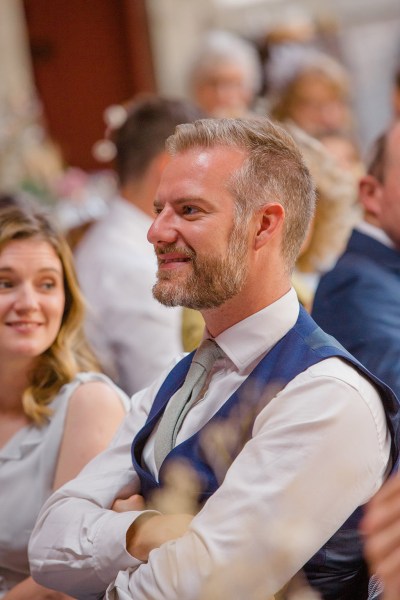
[(318, 450), (134, 336)]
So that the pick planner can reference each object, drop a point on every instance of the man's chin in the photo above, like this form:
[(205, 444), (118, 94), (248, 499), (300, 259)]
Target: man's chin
[(166, 293), (169, 296)]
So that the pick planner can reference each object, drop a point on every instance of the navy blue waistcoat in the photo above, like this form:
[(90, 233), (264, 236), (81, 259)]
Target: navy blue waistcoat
[(337, 570)]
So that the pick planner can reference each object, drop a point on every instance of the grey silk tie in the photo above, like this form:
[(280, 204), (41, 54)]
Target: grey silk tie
[(180, 403)]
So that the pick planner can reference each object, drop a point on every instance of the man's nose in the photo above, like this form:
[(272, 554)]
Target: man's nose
[(163, 229)]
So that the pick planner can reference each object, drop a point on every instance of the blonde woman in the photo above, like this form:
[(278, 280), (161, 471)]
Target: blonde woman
[(337, 211), (310, 88), (56, 411)]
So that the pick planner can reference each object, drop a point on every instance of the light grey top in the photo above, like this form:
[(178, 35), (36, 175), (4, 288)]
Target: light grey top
[(27, 468)]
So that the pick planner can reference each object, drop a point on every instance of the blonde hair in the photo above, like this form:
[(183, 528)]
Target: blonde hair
[(337, 208), (273, 171), (69, 353), (292, 66)]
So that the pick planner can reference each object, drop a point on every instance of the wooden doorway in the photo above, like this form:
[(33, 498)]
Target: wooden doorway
[(87, 56)]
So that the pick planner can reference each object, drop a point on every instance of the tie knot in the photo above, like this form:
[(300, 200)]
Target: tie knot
[(207, 353)]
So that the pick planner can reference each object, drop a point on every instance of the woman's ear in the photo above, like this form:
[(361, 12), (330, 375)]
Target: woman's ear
[(270, 221)]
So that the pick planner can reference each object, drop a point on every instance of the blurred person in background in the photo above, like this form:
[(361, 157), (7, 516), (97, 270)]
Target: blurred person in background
[(133, 336), (225, 75), (57, 411), (344, 149), (309, 88), (396, 93), (336, 212), (381, 528), (358, 301)]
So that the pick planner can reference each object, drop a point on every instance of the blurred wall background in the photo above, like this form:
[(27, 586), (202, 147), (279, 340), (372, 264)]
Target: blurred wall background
[(364, 33)]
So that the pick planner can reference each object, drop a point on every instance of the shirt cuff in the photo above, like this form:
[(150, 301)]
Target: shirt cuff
[(109, 544)]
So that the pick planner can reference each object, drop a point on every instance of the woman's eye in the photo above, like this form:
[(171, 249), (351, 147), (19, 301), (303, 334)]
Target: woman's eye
[(5, 284), (47, 285)]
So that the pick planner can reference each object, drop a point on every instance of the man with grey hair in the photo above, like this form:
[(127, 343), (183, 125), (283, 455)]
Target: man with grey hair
[(225, 75), (270, 417)]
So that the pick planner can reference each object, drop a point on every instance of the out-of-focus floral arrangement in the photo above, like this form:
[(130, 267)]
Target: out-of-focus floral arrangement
[(31, 162), (82, 197)]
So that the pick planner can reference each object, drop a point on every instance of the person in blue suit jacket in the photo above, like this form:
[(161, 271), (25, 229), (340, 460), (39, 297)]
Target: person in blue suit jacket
[(358, 301)]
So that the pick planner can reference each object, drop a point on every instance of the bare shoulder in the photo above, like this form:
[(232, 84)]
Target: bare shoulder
[(95, 411), (96, 397)]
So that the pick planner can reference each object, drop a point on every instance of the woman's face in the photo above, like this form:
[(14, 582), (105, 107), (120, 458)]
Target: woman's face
[(32, 298), (317, 107)]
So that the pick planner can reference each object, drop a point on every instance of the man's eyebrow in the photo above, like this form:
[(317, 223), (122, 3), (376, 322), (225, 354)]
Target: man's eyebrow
[(183, 200)]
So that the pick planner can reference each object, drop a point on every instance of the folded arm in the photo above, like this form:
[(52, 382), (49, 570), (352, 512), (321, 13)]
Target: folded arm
[(307, 447)]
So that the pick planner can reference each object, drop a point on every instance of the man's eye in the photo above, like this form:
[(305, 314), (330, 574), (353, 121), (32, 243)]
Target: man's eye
[(189, 210)]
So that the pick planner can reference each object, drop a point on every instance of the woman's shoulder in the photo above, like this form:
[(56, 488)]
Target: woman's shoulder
[(95, 411), (95, 388)]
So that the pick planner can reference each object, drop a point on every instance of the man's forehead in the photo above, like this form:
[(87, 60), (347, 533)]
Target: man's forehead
[(199, 172), (208, 157)]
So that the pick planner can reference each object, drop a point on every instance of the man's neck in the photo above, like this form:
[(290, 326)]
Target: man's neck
[(240, 307), (140, 194)]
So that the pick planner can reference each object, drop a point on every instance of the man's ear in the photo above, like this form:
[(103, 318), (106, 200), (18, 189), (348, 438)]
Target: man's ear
[(370, 194), (270, 220)]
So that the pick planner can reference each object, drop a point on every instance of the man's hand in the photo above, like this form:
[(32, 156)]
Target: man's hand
[(381, 527), (135, 502), (150, 530)]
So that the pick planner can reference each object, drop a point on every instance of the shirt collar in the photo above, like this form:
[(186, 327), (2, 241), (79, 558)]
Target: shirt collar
[(247, 341), (376, 233)]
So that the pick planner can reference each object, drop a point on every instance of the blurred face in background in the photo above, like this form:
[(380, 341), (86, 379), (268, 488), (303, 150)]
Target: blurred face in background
[(390, 189), (317, 105), (380, 197), (222, 90)]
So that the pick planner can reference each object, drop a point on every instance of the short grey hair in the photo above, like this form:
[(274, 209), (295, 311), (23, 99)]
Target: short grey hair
[(273, 171), (223, 46)]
